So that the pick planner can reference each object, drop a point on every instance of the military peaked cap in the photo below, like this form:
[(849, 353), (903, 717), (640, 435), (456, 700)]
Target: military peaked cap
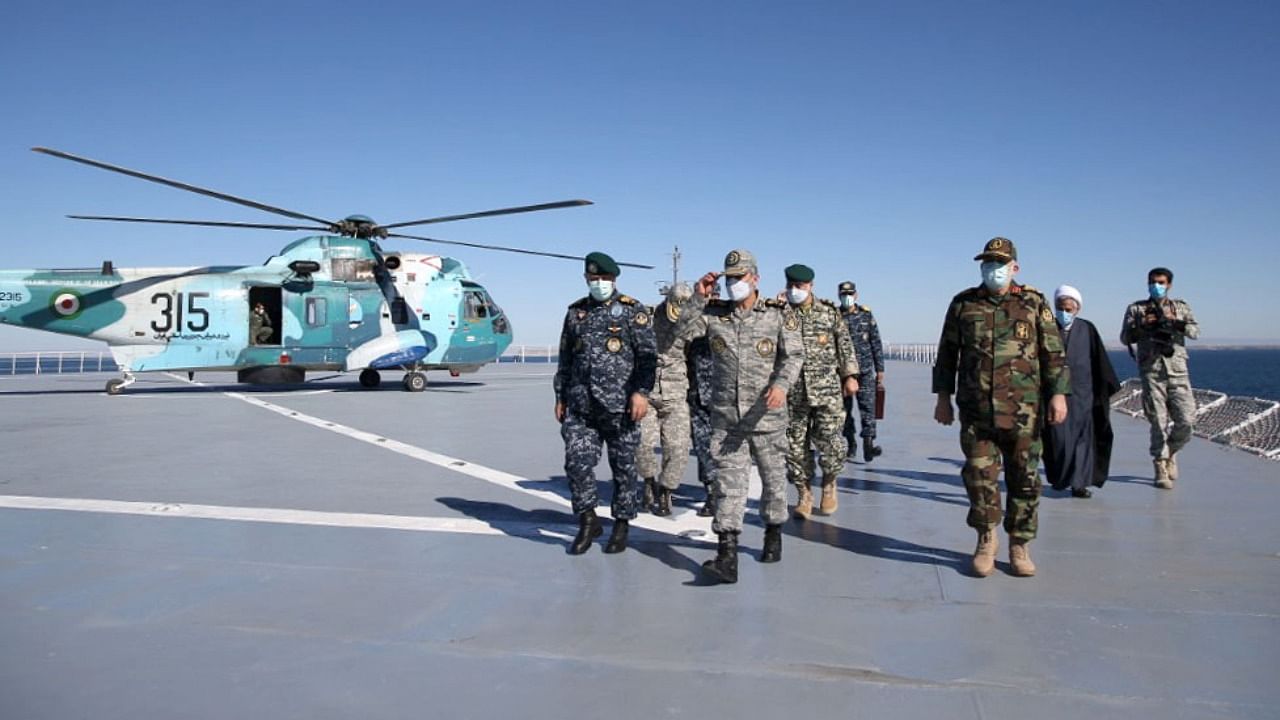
[(847, 288), (999, 249)]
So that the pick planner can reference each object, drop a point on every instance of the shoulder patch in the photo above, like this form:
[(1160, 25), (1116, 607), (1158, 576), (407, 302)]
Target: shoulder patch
[(790, 321)]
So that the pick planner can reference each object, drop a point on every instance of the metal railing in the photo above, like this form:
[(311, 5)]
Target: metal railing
[(56, 362)]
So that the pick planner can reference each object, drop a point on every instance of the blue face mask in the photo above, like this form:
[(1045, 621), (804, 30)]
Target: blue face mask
[(1064, 317), (1157, 291), (996, 275), (600, 290)]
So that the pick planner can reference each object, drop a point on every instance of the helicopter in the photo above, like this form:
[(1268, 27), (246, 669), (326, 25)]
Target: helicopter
[(335, 301)]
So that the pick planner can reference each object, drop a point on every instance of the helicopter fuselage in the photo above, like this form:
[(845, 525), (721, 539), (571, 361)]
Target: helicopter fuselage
[(331, 303)]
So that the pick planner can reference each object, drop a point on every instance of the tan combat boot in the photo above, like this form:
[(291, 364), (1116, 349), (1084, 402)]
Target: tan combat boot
[(1020, 558), (984, 556), (1162, 474), (829, 501), (1171, 466), (804, 506)]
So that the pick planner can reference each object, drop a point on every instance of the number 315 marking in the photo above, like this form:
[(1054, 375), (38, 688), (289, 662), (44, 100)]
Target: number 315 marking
[(173, 302)]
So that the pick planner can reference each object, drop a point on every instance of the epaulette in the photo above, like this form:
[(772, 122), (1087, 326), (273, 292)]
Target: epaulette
[(864, 308), (828, 303), (775, 303), (627, 300), (1030, 290), (580, 302)]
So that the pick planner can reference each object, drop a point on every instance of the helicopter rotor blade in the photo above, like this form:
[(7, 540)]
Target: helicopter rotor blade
[(202, 223), (183, 186), (491, 213), (508, 249)]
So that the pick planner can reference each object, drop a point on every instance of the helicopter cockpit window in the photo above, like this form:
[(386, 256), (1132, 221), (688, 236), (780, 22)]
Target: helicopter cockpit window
[(317, 312), (478, 306), (351, 269)]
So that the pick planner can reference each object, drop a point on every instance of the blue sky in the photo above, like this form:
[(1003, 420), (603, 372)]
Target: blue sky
[(880, 142)]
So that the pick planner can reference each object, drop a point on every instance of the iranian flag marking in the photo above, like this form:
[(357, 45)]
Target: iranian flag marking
[(66, 304)]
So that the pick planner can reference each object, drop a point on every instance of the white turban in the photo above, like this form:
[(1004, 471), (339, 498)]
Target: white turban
[(1067, 291)]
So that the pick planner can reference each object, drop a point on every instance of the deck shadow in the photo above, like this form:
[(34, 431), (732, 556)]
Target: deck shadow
[(877, 546), (896, 488), (515, 522), (921, 475)]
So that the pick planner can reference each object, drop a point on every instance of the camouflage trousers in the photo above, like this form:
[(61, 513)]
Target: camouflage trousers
[(1168, 398), (866, 411), (700, 431), (583, 435), (815, 426), (984, 449), (733, 455), (666, 424)]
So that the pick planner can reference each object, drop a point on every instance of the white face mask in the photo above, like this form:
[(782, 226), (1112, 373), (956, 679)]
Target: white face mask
[(601, 290), (846, 301), (797, 296), (737, 288), (996, 275)]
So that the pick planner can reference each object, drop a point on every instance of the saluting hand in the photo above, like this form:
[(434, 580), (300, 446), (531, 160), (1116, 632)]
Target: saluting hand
[(639, 406), (706, 284)]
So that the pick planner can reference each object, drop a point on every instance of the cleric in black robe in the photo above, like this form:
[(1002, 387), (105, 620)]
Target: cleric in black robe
[(1077, 453)]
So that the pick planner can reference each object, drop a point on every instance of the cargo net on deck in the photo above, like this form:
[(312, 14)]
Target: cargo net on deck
[(1251, 424)]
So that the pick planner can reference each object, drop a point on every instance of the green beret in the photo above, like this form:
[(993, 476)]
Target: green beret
[(597, 263), (799, 273)]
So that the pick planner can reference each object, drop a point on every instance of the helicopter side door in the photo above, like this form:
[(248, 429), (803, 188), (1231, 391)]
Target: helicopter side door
[(316, 323)]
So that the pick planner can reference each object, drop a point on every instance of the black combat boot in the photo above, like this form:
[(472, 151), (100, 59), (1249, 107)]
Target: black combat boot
[(650, 493), (588, 529), (772, 544), (618, 538), (663, 506), (870, 451), (724, 568), (708, 508)]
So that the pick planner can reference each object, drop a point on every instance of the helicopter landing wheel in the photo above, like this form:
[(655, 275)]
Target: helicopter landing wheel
[(415, 382), (115, 386), (370, 378)]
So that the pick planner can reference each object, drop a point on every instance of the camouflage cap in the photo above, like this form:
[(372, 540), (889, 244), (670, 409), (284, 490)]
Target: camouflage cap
[(597, 263), (798, 273), (847, 288), (738, 263), (999, 249)]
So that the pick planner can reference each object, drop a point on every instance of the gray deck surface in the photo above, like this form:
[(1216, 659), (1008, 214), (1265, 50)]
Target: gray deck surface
[(1149, 604)]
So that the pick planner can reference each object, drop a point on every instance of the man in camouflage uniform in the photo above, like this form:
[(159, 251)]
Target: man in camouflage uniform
[(667, 422), (865, 335), (815, 403), (701, 370), (757, 354), (1002, 339), (1161, 326), (607, 359)]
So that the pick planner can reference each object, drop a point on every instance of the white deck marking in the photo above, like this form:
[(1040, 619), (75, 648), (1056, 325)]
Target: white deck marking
[(686, 524), (253, 514)]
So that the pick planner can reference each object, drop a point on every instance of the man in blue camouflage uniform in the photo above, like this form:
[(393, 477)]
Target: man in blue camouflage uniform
[(608, 357), (1161, 326), (814, 403), (757, 354), (865, 334)]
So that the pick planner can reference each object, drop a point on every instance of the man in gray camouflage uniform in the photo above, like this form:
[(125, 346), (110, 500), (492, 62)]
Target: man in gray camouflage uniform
[(814, 403), (865, 334), (606, 373), (1161, 326), (667, 422), (701, 375), (757, 353)]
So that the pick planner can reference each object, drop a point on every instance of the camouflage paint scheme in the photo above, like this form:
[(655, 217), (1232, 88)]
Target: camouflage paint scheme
[(423, 312)]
